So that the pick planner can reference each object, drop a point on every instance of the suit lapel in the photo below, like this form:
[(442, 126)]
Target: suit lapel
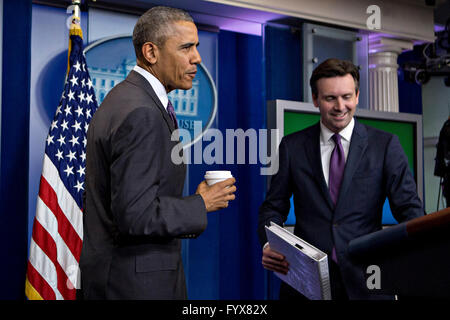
[(358, 146), (140, 81), (315, 159)]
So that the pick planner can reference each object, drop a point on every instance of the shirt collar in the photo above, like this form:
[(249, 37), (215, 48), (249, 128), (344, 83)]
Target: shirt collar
[(155, 83), (346, 133)]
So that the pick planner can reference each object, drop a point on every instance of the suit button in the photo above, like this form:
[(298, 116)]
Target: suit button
[(335, 225)]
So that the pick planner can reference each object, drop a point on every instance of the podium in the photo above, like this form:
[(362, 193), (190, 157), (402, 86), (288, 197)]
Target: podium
[(412, 258)]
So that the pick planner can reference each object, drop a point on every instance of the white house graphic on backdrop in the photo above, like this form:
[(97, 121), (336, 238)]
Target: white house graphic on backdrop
[(185, 102)]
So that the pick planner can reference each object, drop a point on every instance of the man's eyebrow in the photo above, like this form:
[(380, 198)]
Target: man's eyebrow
[(189, 44), (331, 95)]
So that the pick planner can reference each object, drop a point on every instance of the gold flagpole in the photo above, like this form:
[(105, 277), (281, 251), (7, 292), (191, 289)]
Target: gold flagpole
[(75, 28), (76, 10)]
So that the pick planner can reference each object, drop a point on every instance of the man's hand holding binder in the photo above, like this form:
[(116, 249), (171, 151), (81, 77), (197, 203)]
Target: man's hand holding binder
[(274, 261), (308, 272)]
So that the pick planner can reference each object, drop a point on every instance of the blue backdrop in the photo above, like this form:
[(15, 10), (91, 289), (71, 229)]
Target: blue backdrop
[(225, 261), (14, 147)]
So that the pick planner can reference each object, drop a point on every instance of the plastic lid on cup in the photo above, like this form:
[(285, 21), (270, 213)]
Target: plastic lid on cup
[(218, 174)]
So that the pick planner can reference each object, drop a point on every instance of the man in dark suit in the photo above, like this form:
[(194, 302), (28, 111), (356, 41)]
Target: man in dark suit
[(340, 173), (134, 212)]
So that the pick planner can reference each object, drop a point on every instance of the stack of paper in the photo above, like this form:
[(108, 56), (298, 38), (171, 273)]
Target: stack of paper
[(308, 266)]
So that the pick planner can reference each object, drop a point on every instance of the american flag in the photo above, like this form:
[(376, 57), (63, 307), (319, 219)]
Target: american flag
[(56, 242)]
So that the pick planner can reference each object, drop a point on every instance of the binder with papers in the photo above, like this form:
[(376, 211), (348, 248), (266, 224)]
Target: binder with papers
[(308, 266)]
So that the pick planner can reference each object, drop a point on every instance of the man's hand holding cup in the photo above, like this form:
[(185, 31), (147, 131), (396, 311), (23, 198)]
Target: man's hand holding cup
[(217, 189)]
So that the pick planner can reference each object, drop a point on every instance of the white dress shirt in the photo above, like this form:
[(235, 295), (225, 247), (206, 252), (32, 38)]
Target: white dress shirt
[(156, 85), (327, 145)]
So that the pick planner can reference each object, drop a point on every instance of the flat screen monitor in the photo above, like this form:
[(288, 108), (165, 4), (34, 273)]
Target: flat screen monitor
[(292, 116)]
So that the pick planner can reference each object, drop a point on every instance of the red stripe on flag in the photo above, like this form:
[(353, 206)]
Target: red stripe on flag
[(39, 283), (45, 241), (65, 228)]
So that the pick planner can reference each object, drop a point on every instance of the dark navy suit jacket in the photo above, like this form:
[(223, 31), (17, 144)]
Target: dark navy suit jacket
[(376, 168)]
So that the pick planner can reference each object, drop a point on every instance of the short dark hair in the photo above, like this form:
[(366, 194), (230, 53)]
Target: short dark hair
[(155, 26), (334, 68)]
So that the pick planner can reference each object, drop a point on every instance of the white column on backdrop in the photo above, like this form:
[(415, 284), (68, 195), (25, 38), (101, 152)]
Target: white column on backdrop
[(383, 79)]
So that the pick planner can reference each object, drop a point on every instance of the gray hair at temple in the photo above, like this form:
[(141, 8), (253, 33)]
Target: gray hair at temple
[(155, 26)]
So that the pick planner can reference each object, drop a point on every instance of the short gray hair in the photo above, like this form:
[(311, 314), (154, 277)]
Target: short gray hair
[(155, 26)]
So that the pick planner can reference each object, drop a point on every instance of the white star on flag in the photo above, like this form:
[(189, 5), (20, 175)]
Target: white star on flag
[(81, 171), (89, 101), (74, 81), (79, 111), (68, 170), (77, 126), (74, 141), (77, 67), (88, 114), (70, 95), (49, 140), (89, 84), (53, 126), (67, 110), (59, 155), (61, 140), (64, 125), (81, 97), (71, 155), (79, 186)]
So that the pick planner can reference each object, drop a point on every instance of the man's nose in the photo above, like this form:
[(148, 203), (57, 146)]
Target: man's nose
[(340, 104), (196, 58)]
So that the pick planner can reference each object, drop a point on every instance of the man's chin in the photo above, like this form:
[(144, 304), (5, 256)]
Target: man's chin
[(186, 86), (338, 125)]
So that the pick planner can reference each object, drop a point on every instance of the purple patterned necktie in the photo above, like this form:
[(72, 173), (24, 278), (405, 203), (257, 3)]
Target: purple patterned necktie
[(172, 115), (337, 164)]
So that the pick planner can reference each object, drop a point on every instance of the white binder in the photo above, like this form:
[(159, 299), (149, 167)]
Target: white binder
[(308, 266)]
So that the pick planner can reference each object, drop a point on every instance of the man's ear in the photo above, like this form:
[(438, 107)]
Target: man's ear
[(150, 52), (314, 97)]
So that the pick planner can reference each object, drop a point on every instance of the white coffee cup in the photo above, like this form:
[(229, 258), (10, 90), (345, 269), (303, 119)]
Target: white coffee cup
[(213, 177)]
